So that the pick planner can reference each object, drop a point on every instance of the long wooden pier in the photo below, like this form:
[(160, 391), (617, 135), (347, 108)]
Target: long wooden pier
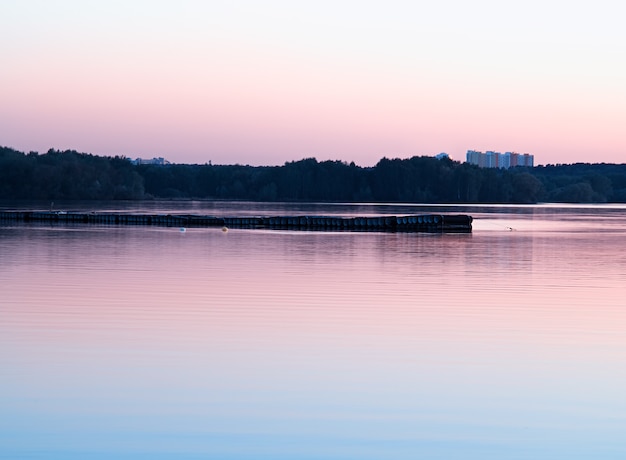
[(431, 223)]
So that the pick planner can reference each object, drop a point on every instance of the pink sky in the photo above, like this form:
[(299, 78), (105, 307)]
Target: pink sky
[(244, 83)]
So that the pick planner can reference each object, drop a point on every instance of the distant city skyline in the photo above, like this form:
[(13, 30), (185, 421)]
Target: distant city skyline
[(262, 83)]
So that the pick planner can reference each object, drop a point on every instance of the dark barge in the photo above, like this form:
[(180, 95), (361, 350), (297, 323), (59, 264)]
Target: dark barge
[(431, 223)]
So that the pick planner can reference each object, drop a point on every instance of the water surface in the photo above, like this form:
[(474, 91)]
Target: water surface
[(146, 342)]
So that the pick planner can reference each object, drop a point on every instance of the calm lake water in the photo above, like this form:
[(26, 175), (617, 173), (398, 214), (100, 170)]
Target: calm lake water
[(151, 343)]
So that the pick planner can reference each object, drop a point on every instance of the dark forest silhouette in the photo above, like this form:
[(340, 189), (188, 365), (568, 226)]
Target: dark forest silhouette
[(58, 175)]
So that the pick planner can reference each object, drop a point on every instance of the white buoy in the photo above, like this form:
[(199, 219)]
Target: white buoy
[(224, 229)]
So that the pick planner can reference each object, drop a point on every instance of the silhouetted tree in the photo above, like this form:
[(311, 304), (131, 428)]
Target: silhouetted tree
[(72, 175)]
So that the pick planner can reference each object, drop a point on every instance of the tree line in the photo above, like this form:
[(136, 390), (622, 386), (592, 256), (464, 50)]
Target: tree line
[(58, 175)]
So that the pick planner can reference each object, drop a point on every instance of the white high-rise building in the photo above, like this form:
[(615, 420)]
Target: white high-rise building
[(491, 159)]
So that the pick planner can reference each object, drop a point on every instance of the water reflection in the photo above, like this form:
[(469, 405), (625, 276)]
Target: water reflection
[(133, 342)]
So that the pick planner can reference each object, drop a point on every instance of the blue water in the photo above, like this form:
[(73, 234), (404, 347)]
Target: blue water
[(145, 342)]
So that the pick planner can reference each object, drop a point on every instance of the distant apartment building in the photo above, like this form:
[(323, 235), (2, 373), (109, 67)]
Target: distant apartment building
[(153, 161), (506, 160)]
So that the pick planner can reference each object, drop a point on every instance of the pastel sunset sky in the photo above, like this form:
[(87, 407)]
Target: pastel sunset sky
[(264, 82)]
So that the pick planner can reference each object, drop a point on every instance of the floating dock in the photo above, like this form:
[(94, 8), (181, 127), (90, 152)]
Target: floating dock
[(430, 223)]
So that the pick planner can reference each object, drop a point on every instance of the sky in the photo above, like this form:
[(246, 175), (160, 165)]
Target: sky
[(265, 82)]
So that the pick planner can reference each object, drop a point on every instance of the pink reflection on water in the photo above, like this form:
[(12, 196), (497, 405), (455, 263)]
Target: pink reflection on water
[(413, 337)]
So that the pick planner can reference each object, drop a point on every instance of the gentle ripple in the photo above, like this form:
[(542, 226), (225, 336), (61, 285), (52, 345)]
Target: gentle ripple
[(144, 342)]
